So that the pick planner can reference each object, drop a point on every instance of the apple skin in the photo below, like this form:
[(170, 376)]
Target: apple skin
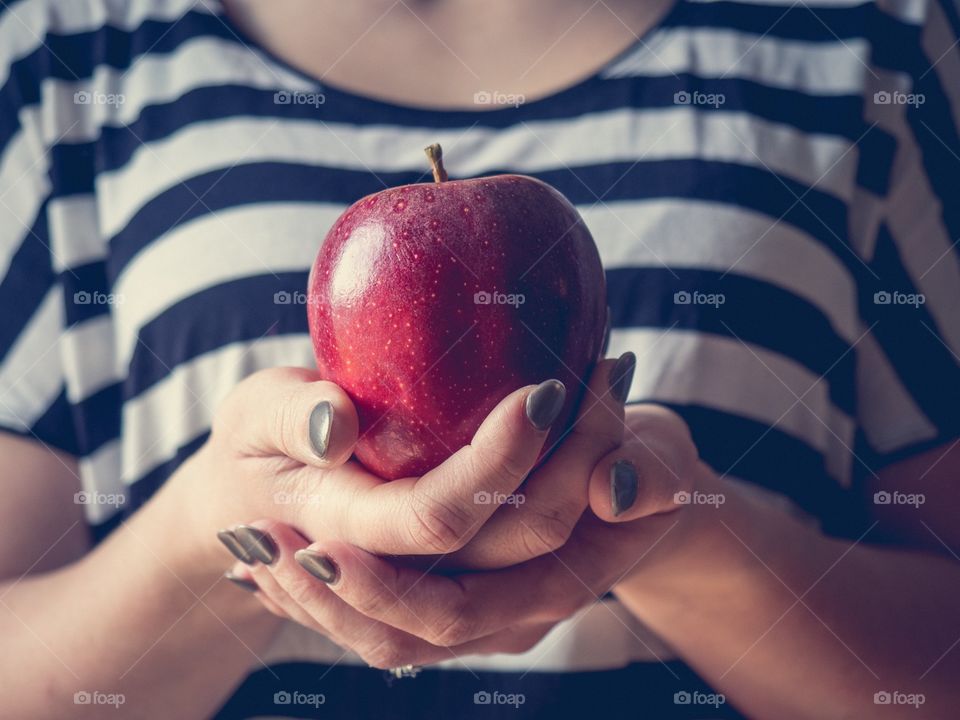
[(395, 319)]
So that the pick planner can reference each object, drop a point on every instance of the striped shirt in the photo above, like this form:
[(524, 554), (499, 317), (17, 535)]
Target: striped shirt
[(772, 186)]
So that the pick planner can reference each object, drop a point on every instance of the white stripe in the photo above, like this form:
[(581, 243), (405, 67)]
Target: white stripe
[(814, 68), (88, 356), (604, 636), (238, 243), (888, 414), (687, 367), (625, 135), (24, 27), (74, 231), (157, 79), (100, 478), (713, 236), (31, 376), (181, 406), (23, 187)]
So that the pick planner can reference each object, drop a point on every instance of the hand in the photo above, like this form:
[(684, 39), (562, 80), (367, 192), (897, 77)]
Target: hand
[(393, 615), (280, 445)]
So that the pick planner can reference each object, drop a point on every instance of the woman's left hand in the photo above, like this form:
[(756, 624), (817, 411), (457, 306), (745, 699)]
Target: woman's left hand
[(393, 614)]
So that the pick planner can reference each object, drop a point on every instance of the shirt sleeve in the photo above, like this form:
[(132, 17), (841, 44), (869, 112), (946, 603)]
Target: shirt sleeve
[(33, 400), (908, 360)]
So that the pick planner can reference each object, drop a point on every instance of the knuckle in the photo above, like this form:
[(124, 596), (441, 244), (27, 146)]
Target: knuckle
[(454, 628), (438, 527), (388, 653), (505, 468), (546, 530)]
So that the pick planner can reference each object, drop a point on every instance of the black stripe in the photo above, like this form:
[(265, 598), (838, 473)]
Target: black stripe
[(773, 459), (27, 282), (910, 338), (822, 216), (57, 427), (638, 690), (238, 311), (648, 297)]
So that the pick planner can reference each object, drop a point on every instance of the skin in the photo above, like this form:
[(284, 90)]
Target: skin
[(712, 582)]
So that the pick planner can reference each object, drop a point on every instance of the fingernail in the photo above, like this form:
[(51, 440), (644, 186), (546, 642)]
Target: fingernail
[(320, 566), (241, 582), (621, 376), (624, 484), (321, 423), (257, 543), (233, 544), (544, 403)]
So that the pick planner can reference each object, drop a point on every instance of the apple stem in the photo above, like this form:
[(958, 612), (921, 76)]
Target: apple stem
[(435, 153)]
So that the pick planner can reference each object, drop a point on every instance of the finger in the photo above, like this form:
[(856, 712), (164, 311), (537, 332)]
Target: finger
[(256, 539), (445, 611), (437, 513), (556, 494), (290, 411), (310, 602), (242, 578), (649, 472)]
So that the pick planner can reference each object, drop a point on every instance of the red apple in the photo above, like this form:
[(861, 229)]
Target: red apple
[(429, 303)]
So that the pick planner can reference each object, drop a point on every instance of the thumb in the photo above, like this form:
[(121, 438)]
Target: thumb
[(291, 412), (650, 473)]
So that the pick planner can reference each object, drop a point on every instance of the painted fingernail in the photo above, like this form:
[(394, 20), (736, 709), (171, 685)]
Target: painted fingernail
[(321, 423), (257, 543), (320, 566), (233, 544), (624, 484), (621, 376), (544, 403), (241, 582)]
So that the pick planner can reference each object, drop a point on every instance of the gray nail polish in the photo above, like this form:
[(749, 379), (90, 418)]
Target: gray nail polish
[(545, 402), (249, 585), (257, 543), (321, 423), (624, 485), (621, 376), (233, 544), (320, 566)]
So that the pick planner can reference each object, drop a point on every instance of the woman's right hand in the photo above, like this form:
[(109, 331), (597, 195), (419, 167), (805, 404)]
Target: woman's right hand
[(280, 448)]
